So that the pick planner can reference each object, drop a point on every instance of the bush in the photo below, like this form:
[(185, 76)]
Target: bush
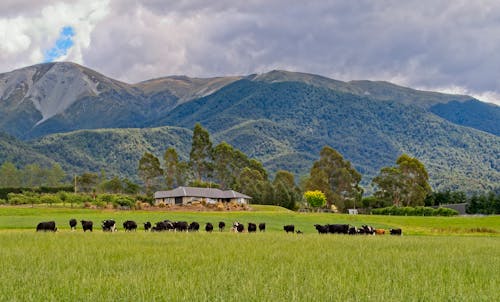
[(417, 211)]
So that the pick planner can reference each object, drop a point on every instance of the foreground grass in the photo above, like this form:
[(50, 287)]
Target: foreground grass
[(76, 266), (275, 218)]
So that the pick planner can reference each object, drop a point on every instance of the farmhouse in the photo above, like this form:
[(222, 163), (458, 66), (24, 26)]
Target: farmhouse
[(187, 195)]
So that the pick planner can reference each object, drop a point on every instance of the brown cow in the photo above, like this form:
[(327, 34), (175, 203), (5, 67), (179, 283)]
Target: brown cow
[(379, 231)]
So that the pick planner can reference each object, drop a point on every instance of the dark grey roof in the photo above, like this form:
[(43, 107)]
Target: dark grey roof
[(200, 192)]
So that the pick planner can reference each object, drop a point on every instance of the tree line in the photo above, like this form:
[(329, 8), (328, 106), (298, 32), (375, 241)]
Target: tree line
[(332, 181)]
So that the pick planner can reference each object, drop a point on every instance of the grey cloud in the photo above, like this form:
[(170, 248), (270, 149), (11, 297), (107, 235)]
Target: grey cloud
[(426, 44)]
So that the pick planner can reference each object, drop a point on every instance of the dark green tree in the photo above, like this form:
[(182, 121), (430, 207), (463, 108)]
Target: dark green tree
[(335, 177), (10, 176), (171, 168), (200, 157), (149, 170), (287, 194), (87, 182), (405, 184), (224, 165)]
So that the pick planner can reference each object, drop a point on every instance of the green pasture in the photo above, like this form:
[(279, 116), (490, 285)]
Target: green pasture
[(274, 217), (437, 259)]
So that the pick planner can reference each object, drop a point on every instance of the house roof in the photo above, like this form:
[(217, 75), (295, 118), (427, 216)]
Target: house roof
[(200, 192)]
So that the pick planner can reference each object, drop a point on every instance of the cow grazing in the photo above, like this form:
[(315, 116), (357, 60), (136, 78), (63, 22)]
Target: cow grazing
[(194, 226), (72, 224), (367, 230), (130, 225), (159, 226), (262, 227), (180, 226), (46, 226), (222, 225), (299, 232), (322, 229), (147, 226), (209, 227), (87, 225), (289, 228), (240, 228), (252, 227), (338, 228), (109, 225), (397, 232), (352, 231), (379, 232)]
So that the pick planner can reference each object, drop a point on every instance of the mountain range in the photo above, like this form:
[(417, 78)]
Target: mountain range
[(70, 114)]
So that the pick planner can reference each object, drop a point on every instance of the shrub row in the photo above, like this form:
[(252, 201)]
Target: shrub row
[(5, 191), (414, 211), (85, 200)]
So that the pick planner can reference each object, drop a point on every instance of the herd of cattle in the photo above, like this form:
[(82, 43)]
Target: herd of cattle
[(109, 225)]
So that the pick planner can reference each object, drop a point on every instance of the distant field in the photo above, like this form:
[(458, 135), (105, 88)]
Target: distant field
[(438, 259)]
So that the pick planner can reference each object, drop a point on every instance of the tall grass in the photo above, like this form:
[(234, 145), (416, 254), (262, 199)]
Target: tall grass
[(138, 266)]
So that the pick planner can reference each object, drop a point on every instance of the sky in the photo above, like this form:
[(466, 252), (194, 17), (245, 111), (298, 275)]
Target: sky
[(447, 46)]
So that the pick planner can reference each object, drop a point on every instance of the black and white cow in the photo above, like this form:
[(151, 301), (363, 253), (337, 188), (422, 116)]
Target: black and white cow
[(73, 223), (87, 225), (130, 225), (147, 226), (108, 225), (46, 226)]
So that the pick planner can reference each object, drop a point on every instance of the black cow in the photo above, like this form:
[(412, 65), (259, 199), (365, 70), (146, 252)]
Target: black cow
[(398, 232), (109, 225), (240, 228), (194, 226), (209, 227), (338, 228), (322, 229), (147, 226), (352, 230), (46, 226), (72, 224), (289, 228), (159, 226), (87, 225), (222, 225), (262, 227), (252, 227), (130, 225), (180, 226)]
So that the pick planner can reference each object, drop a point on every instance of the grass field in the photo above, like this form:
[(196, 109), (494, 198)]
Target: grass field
[(438, 259)]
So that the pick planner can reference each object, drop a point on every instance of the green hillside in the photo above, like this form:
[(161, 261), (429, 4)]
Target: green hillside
[(21, 153), (116, 151), (290, 122)]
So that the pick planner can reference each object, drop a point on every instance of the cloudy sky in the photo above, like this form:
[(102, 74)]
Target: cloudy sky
[(449, 46)]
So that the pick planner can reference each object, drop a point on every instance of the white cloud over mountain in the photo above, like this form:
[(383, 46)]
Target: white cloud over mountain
[(424, 44)]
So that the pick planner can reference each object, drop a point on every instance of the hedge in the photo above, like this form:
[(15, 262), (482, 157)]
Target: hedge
[(414, 211)]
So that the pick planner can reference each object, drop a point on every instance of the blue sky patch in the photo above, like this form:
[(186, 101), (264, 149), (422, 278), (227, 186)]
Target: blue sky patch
[(63, 43)]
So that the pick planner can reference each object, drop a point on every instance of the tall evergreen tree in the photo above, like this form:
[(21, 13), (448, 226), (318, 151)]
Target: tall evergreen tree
[(171, 167), (200, 157), (149, 169)]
